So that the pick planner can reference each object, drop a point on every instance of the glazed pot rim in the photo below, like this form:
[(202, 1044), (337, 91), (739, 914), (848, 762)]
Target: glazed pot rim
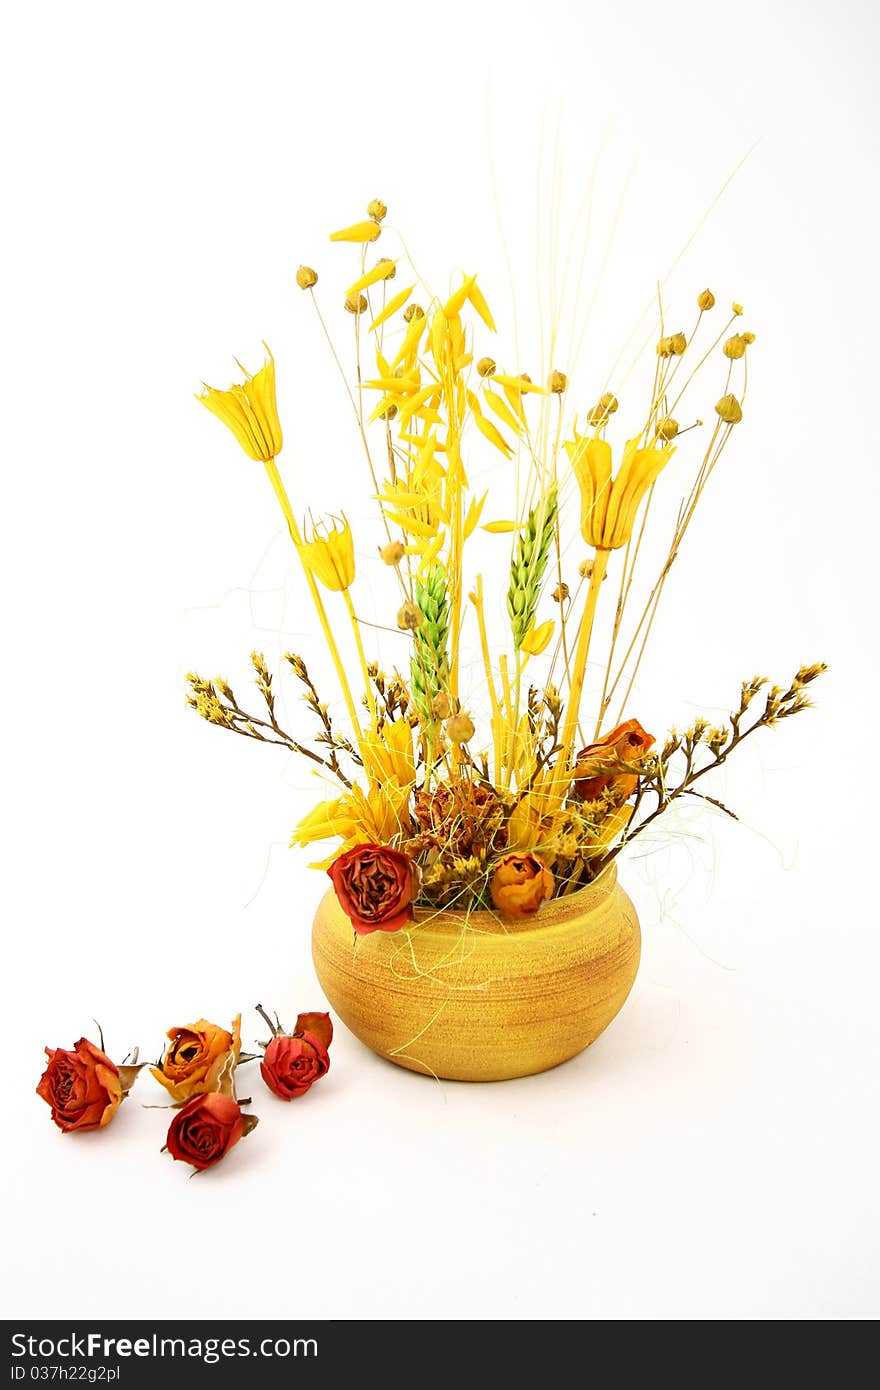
[(448, 921)]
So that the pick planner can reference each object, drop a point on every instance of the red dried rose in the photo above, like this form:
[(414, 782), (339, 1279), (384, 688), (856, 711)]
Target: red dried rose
[(597, 767), (295, 1061), (83, 1087), (375, 885), (206, 1128)]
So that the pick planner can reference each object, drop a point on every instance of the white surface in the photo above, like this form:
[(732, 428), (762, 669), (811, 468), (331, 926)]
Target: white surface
[(715, 1154)]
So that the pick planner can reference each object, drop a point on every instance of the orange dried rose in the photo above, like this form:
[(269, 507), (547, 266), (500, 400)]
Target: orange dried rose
[(520, 884), (199, 1055), (598, 766)]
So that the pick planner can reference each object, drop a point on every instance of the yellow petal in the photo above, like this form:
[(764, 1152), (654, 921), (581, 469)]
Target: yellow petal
[(502, 409), (456, 301), (500, 528), (371, 277), (473, 515), (537, 639), (358, 231), (392, 307), (475, 295), (519, 385), (494, 436)]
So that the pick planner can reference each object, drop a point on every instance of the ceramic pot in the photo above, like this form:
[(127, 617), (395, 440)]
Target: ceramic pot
[(481, 998)]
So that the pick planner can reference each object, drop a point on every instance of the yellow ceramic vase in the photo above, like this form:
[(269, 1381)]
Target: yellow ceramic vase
[(483, 998)]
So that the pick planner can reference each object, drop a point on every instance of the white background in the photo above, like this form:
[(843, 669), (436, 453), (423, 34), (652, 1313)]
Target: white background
[(167, 166)]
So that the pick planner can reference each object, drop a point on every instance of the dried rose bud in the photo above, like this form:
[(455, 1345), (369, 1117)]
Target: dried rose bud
[(735, 346), (306, 277), (558, 382), (413, 311), (486, 367), (441, 705), (409, 616), (376, 210), (706, 300), (393, 552), (459, 728), (729, 410), (667, 428), (560, 593), (355, 303)]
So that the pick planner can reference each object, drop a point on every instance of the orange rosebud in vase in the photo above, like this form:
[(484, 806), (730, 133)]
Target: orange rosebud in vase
[(198, 1057), (597, 768), (520, 884), (293, 1062), (83, 1087)]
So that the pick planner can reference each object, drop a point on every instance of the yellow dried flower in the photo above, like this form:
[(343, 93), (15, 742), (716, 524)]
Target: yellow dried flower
[(459, 728), (729, 410), (737, 308), (667, 428), (306, 277), (330, 556), (250, 411), (609, 506), (735, 346), (393, 552), (486, 366), (602, 411), (355, 303), (748, 338), (376, 210), (537, 639), (558, 382), (409, 616), (706, 300)]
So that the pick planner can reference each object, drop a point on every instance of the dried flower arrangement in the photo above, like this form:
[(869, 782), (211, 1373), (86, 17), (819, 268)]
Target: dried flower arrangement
[(431, 806)]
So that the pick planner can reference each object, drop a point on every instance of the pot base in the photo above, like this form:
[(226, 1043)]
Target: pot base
[(481, 998)]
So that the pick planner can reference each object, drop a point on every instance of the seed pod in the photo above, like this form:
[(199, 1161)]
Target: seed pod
[(392, 553), (558, 382), (748, 338), (409, 616), (441, 705), (667, 428), (459, 728), (729, 409), (678, 343), (735, 346), (413, 311), (603, 409), (486, 367), (355, 303), (560, 593), (376, 210), (306, 277), (706, 300)]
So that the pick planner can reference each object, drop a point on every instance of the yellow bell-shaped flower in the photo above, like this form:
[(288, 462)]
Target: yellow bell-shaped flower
[(609, 506), (250, 411), (330, 556)]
